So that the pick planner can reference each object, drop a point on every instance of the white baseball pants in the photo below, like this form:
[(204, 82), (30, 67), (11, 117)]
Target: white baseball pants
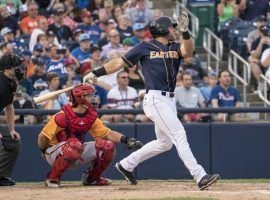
[(169, 131)]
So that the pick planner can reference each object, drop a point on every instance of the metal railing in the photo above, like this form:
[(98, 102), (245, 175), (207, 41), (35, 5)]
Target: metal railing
[(235, 61), (193, 19), (263, 87), (213, 45)]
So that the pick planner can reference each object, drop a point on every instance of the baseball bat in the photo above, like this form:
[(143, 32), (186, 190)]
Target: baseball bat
[(51, 95)]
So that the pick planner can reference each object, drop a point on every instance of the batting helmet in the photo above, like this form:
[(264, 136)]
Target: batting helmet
[(9, 61), (159, 26), (78, 93)]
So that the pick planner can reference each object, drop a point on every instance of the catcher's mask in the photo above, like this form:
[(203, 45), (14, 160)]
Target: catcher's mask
[(84, 95), (10, 61)]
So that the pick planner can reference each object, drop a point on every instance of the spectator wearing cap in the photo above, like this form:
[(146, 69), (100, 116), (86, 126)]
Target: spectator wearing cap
[(76, 37), (89, 27), (22, 12), (9, 21), (38, 77), (56, 62), (139, 13), (8, 36), (253, 35), (123, 27), (67, 20), (95, 60), (82, 53), (127, 44), (62, 32), (251, 9), (37, 52), (114, 44), (29, 23), (139, 33)]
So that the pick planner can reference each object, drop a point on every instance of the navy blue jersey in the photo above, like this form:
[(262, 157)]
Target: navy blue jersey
[(160, 63)]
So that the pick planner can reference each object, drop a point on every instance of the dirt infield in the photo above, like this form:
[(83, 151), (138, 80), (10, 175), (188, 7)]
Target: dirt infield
[(144, 190)]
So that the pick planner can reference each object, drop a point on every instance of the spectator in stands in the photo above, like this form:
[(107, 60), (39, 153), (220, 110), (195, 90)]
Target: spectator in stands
[(257, 47), (253, 35), (123, 97), (250, 9), (114, 44), (89, 27), (226, 10), (117, 11), (107, 27), (136, 79), (26, 54), (6, 20), (53, 85), (62, 32), (41, 29), (42, 39), (38, 77), (109, 81), (23, 101), (188, 96), (140, 14), (192, 65), (12, 4), (206, 90), (29, 23), (95, 60), (22, 12), (224, 95), (265, 61), (5, 48), (67, 20), (82, 53), (56, 62), (72, 78), (76, 37), (139, 34), (37, 52), (123, 27), (157, 13)]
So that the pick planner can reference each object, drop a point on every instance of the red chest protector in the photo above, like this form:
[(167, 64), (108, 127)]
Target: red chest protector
[(75, 126)]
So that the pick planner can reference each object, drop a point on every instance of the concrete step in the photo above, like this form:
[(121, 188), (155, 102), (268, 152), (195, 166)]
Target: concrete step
[(163, 4), (251, 97)]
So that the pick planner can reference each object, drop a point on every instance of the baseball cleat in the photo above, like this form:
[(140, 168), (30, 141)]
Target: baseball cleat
[(52, 183), (207, 180), (101, 182), (128, 175)]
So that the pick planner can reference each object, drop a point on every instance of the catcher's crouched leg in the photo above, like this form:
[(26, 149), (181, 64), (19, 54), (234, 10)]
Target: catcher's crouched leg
[(71, 152), (105, 153)]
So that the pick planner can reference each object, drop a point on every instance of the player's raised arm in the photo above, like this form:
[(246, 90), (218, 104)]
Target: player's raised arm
[(109, 68), (187, 46)]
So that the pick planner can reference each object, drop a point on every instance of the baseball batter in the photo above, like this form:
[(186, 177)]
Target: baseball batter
[(160, 59), (62, 144)]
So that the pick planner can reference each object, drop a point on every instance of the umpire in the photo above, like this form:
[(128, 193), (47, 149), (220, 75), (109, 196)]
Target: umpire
[(11, 69)]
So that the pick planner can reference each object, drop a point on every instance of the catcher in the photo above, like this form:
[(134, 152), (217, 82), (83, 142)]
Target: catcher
[(62, 144)]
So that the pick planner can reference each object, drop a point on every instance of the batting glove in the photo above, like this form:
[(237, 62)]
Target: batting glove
[(90, 78), (132, 143), (183, 22)]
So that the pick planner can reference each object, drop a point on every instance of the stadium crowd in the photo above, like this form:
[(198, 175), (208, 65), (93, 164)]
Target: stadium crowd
[(62, 40)]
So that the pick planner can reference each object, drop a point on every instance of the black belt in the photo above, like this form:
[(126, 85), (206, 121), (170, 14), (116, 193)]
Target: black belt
[(171, 94)]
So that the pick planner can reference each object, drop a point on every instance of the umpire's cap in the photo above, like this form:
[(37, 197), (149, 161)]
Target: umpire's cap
[(159, 26)]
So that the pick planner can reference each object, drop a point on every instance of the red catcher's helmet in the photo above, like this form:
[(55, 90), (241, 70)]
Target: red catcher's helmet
[(78, 93)]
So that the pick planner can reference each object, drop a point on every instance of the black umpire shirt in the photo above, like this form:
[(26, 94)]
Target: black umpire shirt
[(7, 90)]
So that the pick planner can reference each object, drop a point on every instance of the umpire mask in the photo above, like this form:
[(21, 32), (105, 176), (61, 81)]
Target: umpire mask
[(9, 61)]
